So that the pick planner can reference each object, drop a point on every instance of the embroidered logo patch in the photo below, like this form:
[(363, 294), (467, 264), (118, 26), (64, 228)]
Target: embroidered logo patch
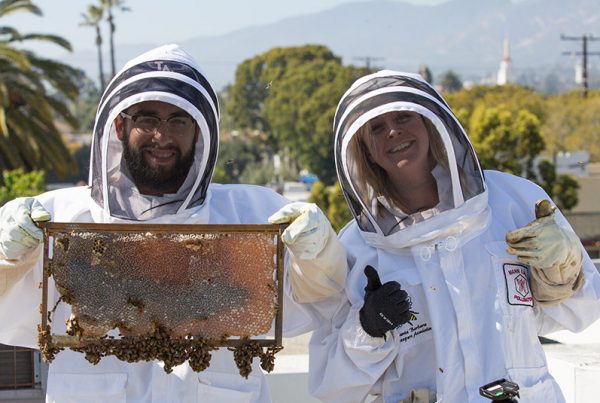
[(517, 284)]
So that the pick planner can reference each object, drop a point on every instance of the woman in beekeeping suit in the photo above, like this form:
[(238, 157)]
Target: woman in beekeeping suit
[(153, 152), (452, 275)]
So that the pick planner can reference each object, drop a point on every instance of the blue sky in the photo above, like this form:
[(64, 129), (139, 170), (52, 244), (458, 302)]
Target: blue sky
[(151, 21)]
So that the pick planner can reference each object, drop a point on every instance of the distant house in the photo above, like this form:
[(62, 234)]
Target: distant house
[(296, 191), (585, 217)]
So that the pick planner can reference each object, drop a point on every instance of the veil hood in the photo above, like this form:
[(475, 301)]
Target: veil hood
[(459, 179), (167, 74)]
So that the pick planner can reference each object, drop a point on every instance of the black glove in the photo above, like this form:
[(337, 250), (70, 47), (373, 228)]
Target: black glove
[(386, 306)]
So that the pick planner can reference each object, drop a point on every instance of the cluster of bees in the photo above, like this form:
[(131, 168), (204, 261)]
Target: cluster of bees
[(160, 345), (244, 354), (132, 300)]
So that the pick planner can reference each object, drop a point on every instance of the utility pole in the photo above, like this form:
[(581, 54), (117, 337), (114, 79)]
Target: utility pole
[(368, 60), (584, 72)]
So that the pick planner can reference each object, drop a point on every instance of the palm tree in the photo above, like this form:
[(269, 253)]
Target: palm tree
[(31, 88), (108, 5), (93, 19)]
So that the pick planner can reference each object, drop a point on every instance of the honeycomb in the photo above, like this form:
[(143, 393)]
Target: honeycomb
[(173, 296), (209, 285)]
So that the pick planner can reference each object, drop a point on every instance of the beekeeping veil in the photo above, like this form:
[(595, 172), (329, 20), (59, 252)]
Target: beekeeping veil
[(459, 179), (166, 74)]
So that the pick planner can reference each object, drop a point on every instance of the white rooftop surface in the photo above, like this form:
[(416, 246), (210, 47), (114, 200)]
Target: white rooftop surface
[(574, 362)]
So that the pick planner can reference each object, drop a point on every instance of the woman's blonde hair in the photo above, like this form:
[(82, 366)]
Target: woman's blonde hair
[(370, 173)]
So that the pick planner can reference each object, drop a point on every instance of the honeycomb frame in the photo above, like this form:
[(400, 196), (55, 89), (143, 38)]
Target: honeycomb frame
[(124, 347)]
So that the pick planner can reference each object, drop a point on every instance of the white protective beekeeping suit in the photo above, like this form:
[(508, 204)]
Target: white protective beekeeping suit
[(475, 319), (166, 74)]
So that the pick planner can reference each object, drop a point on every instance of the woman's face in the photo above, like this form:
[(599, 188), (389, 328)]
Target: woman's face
[(399, 143)]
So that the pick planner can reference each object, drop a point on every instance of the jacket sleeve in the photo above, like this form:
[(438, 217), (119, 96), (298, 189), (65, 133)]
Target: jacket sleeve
[(582, 308), (322, 277), (20, 298), (578, 311), (345, 362)]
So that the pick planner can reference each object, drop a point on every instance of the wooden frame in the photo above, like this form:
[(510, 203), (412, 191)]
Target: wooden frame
[(50, 341)]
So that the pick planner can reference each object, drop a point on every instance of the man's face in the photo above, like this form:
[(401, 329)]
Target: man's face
[(159, 141)]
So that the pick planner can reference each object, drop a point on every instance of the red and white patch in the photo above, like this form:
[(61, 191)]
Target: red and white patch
[(517, 284)]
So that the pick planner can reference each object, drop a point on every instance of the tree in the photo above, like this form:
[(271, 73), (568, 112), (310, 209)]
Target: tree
[(561, 188), (20, 184), (300, 113), (512, 98), (92, 18), (565, 192), (573, 123), (338, 212), (84, 108), (29, 99), (291, 94), (504, 141), (511, 125), (331, 200), (235, 155), (109, 5), (546, 176), (451, 82), (426, 73)]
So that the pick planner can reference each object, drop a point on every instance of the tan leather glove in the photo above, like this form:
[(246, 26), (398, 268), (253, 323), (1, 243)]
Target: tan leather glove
[(19, 233), (553, 253), (319, 267)]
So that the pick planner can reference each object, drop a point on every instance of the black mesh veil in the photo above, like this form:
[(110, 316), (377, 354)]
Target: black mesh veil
[(165, 74), (457, 173)]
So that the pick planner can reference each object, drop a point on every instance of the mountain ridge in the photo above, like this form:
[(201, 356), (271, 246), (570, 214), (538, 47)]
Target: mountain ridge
[(403, 36)]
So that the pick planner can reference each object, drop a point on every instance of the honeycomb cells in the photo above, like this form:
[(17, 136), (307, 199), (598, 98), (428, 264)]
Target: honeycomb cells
[(209, 285)]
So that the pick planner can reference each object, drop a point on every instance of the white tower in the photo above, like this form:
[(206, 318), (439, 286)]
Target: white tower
[(504, 73)]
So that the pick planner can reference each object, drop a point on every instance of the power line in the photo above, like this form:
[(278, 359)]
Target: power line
[(368, 60), (584, 71)]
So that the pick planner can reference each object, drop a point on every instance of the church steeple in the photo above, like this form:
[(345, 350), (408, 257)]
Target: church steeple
[(504, 73)]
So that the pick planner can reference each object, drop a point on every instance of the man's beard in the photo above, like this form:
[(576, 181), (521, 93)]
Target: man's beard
[(161, 180)]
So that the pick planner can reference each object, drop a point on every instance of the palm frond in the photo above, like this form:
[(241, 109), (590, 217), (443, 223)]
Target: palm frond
[(13, 55), (12, 6), (57, 40)]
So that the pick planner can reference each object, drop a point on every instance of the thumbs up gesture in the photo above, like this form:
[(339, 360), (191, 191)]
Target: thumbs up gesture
[(553, 252), (386, 306)]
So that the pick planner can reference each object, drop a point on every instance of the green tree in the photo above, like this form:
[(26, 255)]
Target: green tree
[(338, 212), (84, 108), (546, 176), (331, 200), (506, 142), (235, 155), (300, 113), (450, 81), (291, 94), (561, 188), (29, 99), (320, 196), (565, 192), (258, 77), (93, 18), (573, 123), (20, 184), (511, 125), (512, 98)]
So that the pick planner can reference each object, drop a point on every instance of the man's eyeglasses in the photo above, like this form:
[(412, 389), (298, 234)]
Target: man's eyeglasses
[(148, 124)]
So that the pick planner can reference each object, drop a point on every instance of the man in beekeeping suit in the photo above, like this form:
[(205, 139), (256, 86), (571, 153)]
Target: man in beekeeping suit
[(154, 150)]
